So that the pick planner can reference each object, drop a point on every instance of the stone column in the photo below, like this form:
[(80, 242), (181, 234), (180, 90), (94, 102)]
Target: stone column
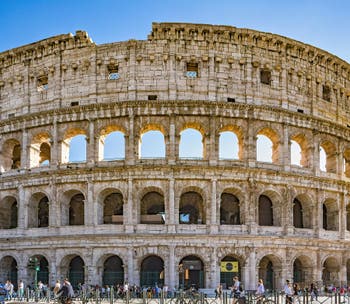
[(250, 144), (130, 144), (24, 150), (55, 149), (213, 208), (130, 276), (90, 208), (171, 215), (212, 81), (90, 155), (285, 151), (316, 154), (54, 206), (212, 156), (342, 215), (251, 275), (22, 206), (170, 276), (214, 269), (172, 141), (128, 218)]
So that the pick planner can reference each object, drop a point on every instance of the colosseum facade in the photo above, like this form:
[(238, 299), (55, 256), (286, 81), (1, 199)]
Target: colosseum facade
[(175, 220)]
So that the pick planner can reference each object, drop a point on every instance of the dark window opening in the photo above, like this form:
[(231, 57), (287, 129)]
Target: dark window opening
[(230, 99), (326, 93), (265, 77), (152, 97), (113, 72), (192, 70), (42, 83), (300, 111), (74, 103)]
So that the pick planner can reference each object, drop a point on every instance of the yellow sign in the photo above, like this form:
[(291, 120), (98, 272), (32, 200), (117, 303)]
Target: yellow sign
[(229, 266)]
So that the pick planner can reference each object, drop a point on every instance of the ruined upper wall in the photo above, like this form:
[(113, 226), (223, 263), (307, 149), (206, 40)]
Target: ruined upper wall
[(74, 71)]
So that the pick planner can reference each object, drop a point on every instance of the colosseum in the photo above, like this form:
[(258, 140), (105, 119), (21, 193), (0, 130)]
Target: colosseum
[(276, 206)]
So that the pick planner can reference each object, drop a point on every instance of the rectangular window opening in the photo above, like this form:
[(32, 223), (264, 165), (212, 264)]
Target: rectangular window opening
[(230, 99), (152, 97), (326, 93), (74, 103), (113, 72), (265, 77), (42, 83), (192, 70), (300, 111)]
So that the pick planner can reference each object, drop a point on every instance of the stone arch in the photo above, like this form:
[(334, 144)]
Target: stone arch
[(191, 272), (303, 143), (330, 273), (8, 269), (302, 267), (331, 155), (347, 210), (38, 210), (346, 162), (69, 135), (192, 209), (111, 202), (197, 144), (43, 273), (155, 139), (330, 214), (72, 208), (11, 155), (152, 206), (106, 140), (269, 208), (230, 208), (40, 150), (230, 266), (8, 212), (275, 141), (305, 212), (152, 271), (270, 270), (112, 267), (72, 266), (237, 131)]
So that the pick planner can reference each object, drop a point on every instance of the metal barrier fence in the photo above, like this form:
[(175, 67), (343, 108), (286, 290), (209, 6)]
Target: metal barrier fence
[(182, 297)]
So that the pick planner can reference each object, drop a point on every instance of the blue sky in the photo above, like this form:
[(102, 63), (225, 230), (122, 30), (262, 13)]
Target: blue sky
[(322, 23)]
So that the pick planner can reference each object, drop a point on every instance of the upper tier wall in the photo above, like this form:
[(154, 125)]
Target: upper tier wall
[(66, 70)]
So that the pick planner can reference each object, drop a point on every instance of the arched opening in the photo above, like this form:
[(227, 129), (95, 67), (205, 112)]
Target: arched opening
[(229, 210), (11, 155), (267, 145), (152, 208), (43, 212), (9, 270), (40, 150), (8, 213), (76, 272), (112, 146), (152, 145), (113, 271), (229, 268), (74, 146), (347, 271), (191, 144), (191, 272), (298, 273), (348, 217), (299, 151), (269, 269), (229, 147), (297, 214), (265, 211), (328, 157), (330, 272), (113, 208), (346, 160), (76, 210), (191, 210), (295, 153), (152, 271), (38, 211), (43, 271), (330, 215)]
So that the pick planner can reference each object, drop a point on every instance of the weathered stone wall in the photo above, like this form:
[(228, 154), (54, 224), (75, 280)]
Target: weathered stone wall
[(79, 99)]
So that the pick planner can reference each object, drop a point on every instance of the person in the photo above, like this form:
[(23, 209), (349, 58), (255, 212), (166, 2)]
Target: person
[(260, 291), (313, 292), (236, 289), (296, 293), (57, 288), (9, 290), (20, 290), (288, 292), (218, 292), (66, 292)]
